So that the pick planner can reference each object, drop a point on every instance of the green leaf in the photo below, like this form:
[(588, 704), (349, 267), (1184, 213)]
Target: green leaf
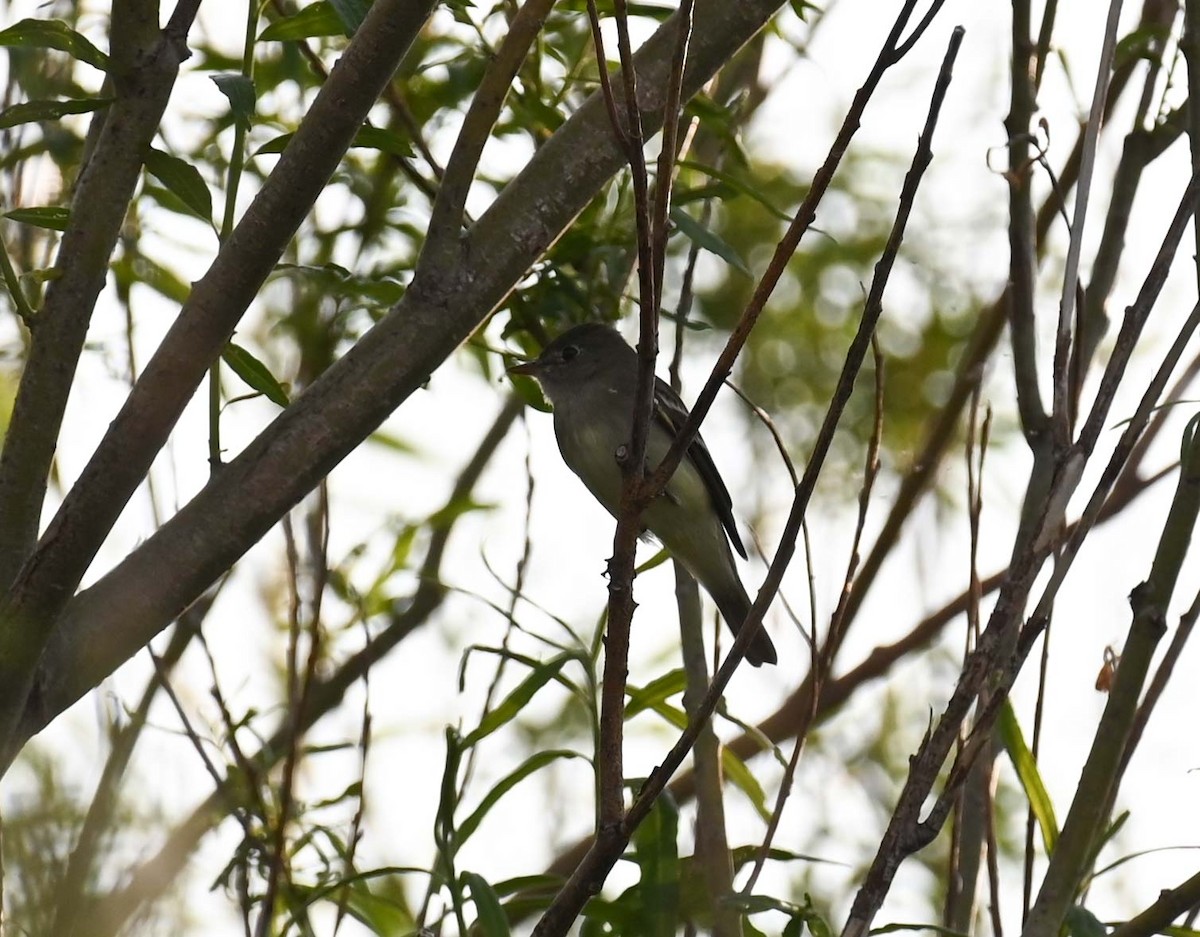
[(240, 92), (507, 783), (654, 693), (386, 141), (1142, 43), (528, 883), (254, 373), (54, 217), (351, 13), (528, 389), (740, 186), (744, 780), (370, 138), (656, 849), (937, 929), (1081, 922), (32, 111), (53, 34), (460, 10), (1028, 775), (316, 19), (708, 240), (655, 11), (492, 920), (183, 180), (138, 268), (512, 704)]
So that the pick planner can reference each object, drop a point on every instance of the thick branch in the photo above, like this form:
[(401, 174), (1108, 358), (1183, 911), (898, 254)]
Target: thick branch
[(196, 339), (145, 68), (108, 623)]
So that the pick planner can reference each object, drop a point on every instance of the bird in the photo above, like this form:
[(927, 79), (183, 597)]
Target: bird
[(589, 375)]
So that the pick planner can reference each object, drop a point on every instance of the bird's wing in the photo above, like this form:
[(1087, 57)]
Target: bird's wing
[(671, 413)]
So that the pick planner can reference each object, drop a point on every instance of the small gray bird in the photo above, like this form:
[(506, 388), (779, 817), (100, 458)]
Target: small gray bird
[(589, 374)]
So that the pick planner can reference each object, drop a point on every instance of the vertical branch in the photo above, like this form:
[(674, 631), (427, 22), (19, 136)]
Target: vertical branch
[(145, 63), (589, 875), (1066, 310), (195, 339), (1190, 46), (1095, 790), (1022, 264)]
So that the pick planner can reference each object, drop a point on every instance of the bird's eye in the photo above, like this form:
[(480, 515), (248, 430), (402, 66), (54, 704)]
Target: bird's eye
[(570, 352)]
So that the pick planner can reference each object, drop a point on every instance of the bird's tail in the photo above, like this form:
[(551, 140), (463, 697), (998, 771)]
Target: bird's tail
[(735, 606)]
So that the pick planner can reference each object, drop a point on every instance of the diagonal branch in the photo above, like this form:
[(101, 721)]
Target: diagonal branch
[(105, 625), (145, 63), (200, 332)]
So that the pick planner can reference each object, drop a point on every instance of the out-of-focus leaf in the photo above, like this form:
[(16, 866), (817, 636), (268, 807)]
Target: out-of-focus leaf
[(529, 390), (460, 10), (1081, 922), (511, 706), (393, 442), (934, 928), (33, 111), (183, 180), (351, 13), (655, 692), (1029, 775), (744, 780), (138, 268), (315, 20), (254, 373), (492, 920), (380, 914), (531, 765), (384, 140), (709, 240), (53, 34), (240, 92), (656, 850), (801, 8), (744, 855), (1142, 43), (655, 11), (738, 185), (526, 883), (370, 138), (54, 217)]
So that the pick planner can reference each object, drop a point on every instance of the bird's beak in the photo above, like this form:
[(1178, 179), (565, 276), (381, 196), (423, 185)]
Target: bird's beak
[(526, 368)]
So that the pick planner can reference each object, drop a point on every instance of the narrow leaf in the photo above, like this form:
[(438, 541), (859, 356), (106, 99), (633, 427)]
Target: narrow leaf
[(507, 783), (386, 141), (492, 920), (710, 241), (1028, 775), (183, 180), (54, 217), (515, 701), (33, 111), (656, 848), (254, 373), (53, 34), (370, 138)]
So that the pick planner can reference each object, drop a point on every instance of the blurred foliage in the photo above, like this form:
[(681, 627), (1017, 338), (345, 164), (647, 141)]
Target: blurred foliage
[(350, 262), (795, 353)]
